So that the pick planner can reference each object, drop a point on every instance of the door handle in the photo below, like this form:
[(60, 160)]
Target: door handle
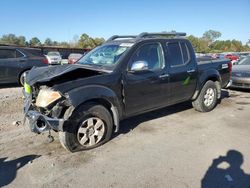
[(191, 71), (164, 76)]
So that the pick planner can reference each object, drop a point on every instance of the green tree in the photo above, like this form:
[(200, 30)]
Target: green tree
[(211, 36), (48, 42), (35, 42), (86, 42), (199, 44), (9, 39), (64, 44), (99, 41), (13, 39), (21, 41)]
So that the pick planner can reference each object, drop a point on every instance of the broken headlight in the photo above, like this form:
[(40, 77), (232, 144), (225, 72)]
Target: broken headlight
[(47, 96)]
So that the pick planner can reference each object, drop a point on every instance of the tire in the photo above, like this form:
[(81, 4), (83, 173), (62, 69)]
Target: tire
[(90, 126), (21, 77), (207, 99)]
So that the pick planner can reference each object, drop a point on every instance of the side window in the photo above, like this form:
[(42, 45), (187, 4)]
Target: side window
[(7, 54), (33, 52), (185, 53), (18, 54), (174, 55), (152, 54)]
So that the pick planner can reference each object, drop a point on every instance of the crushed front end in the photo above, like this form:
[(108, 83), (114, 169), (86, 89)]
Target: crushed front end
[(43, 108)]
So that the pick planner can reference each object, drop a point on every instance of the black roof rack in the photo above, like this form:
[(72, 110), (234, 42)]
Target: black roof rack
[(162, 34), (149, 35), (121, 36)]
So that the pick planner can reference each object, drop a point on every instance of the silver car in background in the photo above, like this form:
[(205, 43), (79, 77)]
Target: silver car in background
[(241, 74), (54, 58)]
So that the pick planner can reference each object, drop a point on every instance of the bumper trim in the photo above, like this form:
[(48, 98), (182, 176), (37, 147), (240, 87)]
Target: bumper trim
[(39, 123)]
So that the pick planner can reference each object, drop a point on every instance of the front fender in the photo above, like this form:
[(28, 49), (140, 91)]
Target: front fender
[(83, 94)]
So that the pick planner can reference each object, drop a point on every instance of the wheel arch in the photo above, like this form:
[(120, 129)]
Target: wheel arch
[(99, 95), (210, 75), (21, 72)]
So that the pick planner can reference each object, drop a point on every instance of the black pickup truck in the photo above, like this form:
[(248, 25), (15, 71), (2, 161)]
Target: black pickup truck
[(126, 76)]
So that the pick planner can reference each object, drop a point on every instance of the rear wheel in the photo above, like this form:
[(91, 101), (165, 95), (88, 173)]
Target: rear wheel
[(90, 126), (207, 99)]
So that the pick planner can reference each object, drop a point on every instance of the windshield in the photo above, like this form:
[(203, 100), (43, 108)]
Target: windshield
[(104, 56), (245, 61)]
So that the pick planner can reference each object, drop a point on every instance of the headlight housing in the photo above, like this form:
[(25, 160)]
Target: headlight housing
[(46, 97)]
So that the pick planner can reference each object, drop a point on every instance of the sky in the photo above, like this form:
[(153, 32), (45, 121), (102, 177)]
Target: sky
[(61, 20)]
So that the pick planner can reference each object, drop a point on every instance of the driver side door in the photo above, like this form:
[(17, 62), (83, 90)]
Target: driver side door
[(146, 89)]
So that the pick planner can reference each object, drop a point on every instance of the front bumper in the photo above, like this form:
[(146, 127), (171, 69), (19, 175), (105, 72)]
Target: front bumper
[(238, 82), (39, 123)]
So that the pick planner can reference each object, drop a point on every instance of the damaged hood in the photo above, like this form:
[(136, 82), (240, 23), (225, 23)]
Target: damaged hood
[(46, 74)]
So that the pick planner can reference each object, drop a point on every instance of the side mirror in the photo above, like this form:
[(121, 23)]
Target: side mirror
[(139, 66)]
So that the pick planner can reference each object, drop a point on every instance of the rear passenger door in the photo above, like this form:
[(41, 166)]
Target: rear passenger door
[(182, 71), (10, 65)]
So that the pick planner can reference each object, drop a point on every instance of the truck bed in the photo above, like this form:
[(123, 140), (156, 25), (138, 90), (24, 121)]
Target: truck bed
[(222, 65)]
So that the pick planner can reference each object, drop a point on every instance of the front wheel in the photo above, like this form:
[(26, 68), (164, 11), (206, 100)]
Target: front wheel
[(90, 126), (207, 99), (22, 77)]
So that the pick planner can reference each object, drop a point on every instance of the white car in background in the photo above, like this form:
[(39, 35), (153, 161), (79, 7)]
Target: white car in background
[(54, 58)]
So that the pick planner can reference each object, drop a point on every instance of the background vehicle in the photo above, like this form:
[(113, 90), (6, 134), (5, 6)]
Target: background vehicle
[(74, 57), (64, 61), (234, 58), (122, 78), (241, 74), (54, 58), (15, 61)]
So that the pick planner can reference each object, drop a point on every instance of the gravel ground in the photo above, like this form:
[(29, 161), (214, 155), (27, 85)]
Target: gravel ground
[(173, 147)]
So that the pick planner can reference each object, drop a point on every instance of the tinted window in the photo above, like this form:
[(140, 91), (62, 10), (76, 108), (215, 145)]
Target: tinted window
[(6, 54), (185, 52), (245, 61), (152, 54), (174, 54), (19, 54), (32, 52)]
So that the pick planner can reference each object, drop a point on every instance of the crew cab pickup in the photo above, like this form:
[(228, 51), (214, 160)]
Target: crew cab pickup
[(124, 77)]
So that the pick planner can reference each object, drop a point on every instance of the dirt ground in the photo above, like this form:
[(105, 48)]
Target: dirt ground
[(173, 147)]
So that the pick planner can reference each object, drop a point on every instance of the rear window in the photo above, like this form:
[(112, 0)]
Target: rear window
[(174, 55), (33, 52), (185, 52), (177, 53), (53, 54)]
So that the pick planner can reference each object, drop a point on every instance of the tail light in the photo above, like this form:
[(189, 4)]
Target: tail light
[(45, 61), (230, 66)]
